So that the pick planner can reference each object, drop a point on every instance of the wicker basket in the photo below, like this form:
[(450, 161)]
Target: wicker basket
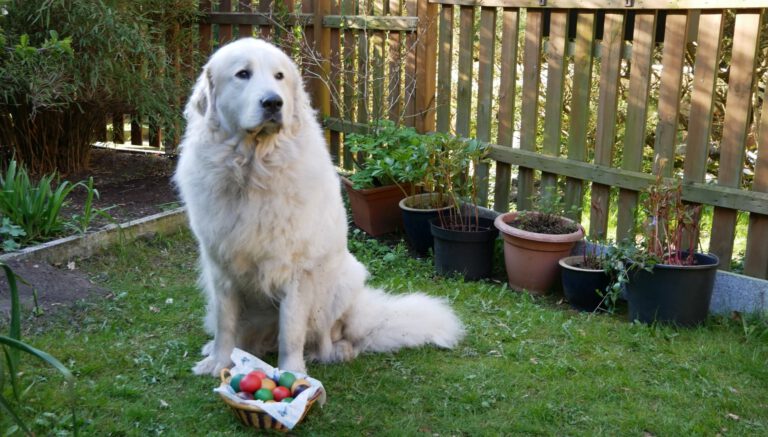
[(256, 417)]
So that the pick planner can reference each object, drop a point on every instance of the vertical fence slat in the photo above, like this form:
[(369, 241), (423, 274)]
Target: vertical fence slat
[(507, 79), (310, 63), (377, 65), (265, 7), (136, 134), (118, 129), (244, 30), (322, 67), (394, 88), (703, 95), (348, 66), (464, 89), (411, 41), (225, 30), (605, 131), (553, 106), (206, 34), (672, 62), (444, 68), (529, 108), (579, 111), (363, 76), (485, 92), (426, 72), (756, 257), (334, 83), (735, 127), (637, 110)]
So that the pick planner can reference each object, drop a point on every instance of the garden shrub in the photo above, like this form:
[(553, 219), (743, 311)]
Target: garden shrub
[(65, 64)]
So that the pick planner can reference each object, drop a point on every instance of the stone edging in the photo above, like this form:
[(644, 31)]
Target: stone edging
[(83, 246)]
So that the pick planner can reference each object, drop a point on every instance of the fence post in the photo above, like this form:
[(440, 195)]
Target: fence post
[(426, 64), (323, 43)]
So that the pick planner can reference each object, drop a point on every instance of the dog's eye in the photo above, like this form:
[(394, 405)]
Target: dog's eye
[(279, 75), (243, 74)]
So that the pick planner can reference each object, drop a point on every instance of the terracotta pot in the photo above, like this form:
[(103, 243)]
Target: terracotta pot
[(375, 210), (531, 259)]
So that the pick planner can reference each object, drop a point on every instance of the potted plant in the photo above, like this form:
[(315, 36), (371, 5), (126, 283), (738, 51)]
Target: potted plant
[(387, 162), (534, 242), (585, 280), (668, 281), (463, 240), (428, 196)]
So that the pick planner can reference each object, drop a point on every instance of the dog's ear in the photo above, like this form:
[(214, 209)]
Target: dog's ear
[(201, 102)]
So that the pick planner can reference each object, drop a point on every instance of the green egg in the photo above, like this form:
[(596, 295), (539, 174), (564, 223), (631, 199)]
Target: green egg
[(286, 379), (287, 400), (234, 382), (264, 394)]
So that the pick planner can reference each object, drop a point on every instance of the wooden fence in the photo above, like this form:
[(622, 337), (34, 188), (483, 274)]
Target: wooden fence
[(572, 94)]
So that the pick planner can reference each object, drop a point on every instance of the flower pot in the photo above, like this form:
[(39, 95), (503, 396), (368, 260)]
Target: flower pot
[(469, 253), (673, 294), (531, 259), (416, 221), (375, 210), (583, 286)]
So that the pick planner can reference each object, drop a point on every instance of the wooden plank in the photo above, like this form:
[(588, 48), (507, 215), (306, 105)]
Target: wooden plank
[(605, 134), (703, 95), (553, 106), (395, 44), (756, 257), (613, 4), (426, 68), (485, 85), (309, 63), (710, 194), (136, 134), (637, 110), (322, 64), (363, 75), (261, 19), (464, 88), (506, 118), (444, 69), (206, 32), (529, 108), (265, 29), (411, 41), (377, 65), (118, 128), (334, 82), (245, 30), (672, 61), (348, 65), (225, 29), (390, 23), (579, 113), (735, 128)]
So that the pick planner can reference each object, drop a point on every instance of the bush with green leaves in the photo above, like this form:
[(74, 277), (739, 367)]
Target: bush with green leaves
[(65, 64)]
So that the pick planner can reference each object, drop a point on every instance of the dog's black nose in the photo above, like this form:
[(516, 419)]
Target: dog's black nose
[(272, 103)]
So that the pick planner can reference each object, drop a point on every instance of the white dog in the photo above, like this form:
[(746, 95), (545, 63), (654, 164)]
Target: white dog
[(264, 202)]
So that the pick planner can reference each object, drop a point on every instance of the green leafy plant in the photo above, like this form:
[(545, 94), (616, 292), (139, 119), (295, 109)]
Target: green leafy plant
[(36, 207), (456, 165), (12, 346), (9, 235), (547, 216)]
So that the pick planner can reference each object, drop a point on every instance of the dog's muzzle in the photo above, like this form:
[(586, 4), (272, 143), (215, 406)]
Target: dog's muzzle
[(272, 104)]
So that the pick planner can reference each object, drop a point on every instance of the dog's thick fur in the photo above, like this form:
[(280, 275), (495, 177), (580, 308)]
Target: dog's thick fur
[(264, 202)]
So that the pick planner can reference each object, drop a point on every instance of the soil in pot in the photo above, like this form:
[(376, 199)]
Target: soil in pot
[(417, 212), (583, 286), (673, 294), (469, 253), (531, 259)]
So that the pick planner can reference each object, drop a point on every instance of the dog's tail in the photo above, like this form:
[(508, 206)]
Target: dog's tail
[(382, 322)]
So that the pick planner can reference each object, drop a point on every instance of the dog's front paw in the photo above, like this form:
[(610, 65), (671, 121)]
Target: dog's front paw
[(210, 366), (293, 365), (343, 350)]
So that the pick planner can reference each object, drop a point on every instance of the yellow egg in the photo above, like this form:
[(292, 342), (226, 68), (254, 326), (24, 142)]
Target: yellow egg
[(268, 384)]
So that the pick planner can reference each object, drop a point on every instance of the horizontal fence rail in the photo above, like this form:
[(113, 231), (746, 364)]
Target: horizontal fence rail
[(580, 96)]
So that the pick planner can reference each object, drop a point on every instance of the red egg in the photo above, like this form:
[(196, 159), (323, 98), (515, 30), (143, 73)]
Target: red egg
[(251, 382), (280, 393)]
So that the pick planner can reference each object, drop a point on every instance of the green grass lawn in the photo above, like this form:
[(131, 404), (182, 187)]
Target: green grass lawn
[(528, 366)]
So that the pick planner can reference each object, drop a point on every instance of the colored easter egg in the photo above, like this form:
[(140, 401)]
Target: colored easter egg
[(234, 382), (298, 382), (280, 393), (250, 382), (268, 384), (264, 394), (287, 400), (297, 390), (286, 379)]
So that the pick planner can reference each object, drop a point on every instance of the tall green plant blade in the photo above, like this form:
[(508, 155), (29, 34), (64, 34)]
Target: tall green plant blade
[(15, 328), (44, 356), (6, 406)]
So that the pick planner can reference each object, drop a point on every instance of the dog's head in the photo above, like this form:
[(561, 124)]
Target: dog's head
[(249, 87)]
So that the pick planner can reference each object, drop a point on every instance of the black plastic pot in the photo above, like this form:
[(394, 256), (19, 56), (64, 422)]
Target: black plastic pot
[(469, 253), (582, 287), (416, 222), (678, 295)]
